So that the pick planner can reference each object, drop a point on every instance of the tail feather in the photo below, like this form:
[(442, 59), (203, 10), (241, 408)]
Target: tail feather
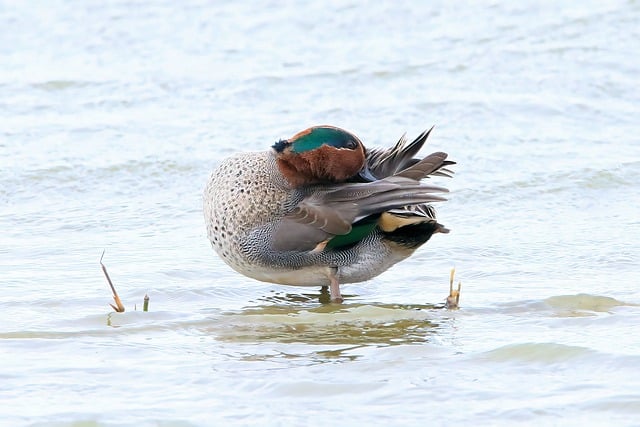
[(400, 160), (410, 227), (425, 167)]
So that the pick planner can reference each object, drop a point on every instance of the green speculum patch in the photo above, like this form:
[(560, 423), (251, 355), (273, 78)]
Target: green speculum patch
[(359, 231)]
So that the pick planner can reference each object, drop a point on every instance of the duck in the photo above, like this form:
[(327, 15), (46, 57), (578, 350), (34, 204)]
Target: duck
[(320, 209)]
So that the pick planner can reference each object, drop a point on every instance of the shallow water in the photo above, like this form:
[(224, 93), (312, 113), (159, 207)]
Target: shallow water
[(113, 115)]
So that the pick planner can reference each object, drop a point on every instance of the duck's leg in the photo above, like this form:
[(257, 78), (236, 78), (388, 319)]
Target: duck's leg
[(334, 286)]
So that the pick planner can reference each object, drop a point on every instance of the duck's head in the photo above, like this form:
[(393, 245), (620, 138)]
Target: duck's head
[(320, 154)]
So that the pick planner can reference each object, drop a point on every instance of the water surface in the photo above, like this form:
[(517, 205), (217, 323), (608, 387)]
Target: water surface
[(114, 114)]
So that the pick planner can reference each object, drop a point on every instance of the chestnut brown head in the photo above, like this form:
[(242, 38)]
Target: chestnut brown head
[(320, 154)]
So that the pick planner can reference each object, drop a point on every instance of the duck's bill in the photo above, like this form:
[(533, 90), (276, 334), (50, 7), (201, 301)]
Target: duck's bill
[(366, 175)]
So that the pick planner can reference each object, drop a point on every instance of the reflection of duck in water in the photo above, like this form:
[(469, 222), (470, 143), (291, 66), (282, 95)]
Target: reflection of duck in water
[(319, 209), (297, 318)]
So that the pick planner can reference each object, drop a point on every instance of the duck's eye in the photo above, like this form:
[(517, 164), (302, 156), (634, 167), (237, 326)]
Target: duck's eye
[(351, 144)]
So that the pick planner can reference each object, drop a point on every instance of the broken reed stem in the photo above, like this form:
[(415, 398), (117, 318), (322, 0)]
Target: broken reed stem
[(118, 307), (454, 296), (451, 276)]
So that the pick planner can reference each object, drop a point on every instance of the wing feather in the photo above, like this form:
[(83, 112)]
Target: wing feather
[(331, 211)]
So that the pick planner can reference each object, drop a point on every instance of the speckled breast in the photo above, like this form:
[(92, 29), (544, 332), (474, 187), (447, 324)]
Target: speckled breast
[(245, 191)]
